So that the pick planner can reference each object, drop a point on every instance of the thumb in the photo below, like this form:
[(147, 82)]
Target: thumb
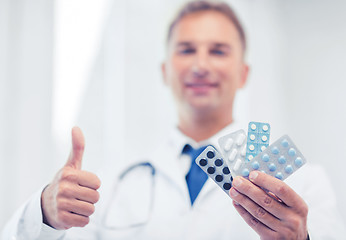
[(76, 155)]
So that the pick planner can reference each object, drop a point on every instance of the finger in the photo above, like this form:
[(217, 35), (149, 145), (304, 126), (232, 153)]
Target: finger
[(78, 207), (73, 220), (255, 210), (260, 197), (76, 191), (276, 186), (256, 225), (87, 194), (78, 143), (88, 180)]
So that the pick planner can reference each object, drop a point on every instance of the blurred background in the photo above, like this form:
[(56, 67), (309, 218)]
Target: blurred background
[(96, 64)]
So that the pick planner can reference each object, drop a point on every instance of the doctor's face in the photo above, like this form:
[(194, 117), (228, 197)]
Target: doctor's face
[(204, 65)]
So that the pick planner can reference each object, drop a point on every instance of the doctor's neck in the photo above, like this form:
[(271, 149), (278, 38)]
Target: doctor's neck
[(201, 126)]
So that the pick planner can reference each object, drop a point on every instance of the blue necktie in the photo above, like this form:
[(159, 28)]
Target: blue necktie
[(195, 178)]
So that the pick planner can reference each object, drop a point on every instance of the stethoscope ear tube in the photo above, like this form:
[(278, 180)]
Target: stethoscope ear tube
[(141, 164)]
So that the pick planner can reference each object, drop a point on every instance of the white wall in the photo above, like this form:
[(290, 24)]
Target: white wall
[(315, 81), (26, 34)]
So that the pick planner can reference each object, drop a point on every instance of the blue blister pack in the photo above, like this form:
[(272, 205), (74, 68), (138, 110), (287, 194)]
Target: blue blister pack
[(212, 163), (280, 160), (257, 139)]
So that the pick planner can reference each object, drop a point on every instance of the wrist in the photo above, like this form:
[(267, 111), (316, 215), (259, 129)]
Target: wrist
[(44, 216)]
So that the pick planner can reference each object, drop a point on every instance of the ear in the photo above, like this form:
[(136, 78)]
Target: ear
[(244, 75), (164, 73)]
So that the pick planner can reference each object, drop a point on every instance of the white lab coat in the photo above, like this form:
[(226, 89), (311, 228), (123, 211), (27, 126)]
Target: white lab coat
[(211, 217)]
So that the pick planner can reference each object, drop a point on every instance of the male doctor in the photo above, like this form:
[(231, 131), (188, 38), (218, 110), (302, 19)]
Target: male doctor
[(204, 68)]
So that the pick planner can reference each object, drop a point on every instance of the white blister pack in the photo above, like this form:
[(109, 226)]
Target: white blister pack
[(233, 147)]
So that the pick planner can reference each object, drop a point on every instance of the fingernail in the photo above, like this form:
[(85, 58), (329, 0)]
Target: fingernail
[(236, 203), (234, 192), (253, 175), (237, 182)]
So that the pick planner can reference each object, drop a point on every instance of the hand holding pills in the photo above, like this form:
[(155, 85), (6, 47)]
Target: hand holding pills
[(258, 169), (280, 217)]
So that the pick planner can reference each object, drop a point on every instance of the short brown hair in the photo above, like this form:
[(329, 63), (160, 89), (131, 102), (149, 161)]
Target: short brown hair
[(199, 6)]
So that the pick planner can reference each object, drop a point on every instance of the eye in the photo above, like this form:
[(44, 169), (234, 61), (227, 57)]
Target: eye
[(187, 51), (218, 52)]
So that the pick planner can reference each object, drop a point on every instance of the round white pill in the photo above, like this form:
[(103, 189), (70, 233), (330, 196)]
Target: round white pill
[(265, 127), (263, 148), (252, 147), (253, 126), (264, 138), (252, 137)]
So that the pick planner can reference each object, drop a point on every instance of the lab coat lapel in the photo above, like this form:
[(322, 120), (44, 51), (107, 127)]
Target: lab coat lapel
[(208, 187), (166, 164)]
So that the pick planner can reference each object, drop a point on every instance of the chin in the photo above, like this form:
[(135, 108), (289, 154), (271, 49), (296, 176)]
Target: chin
[(202, 107)]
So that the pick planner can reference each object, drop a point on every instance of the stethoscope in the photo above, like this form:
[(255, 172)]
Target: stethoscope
[(116, 201)]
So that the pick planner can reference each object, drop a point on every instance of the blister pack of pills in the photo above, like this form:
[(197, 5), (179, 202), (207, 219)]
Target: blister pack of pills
[(241, 154), (257, 139), (233, 147), (212, 163), (280, 160)]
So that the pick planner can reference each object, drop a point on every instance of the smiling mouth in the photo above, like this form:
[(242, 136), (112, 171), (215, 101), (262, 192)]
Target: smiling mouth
[(201, 88), (201, 85)]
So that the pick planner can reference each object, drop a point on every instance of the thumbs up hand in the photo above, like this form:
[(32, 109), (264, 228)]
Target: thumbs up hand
[(69, 199)]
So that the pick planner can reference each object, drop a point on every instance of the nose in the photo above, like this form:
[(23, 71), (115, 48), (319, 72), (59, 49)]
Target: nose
[(201, 66)]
